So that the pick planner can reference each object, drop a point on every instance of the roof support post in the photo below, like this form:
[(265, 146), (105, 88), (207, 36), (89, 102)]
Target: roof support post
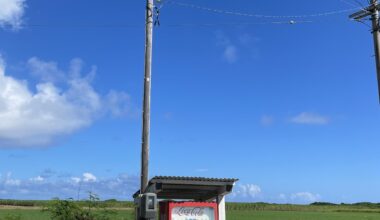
[(221, 207)]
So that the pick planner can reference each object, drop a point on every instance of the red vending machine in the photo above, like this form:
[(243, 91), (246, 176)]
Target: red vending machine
[(170, 210)]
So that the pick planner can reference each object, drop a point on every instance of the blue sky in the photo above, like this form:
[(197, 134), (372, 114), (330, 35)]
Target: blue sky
[(289, 109)]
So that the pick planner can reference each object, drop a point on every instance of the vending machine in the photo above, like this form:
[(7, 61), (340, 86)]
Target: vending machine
[(170, 210)]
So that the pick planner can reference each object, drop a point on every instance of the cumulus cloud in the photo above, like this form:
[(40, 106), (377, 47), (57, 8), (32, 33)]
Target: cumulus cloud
[(304, 197), (11, 13), (38, 118), (119, 104), (119, 187), (89, 177), (246, 191), (310, 119), (37, 179), (76, 179), (46, 71), (7, 180)]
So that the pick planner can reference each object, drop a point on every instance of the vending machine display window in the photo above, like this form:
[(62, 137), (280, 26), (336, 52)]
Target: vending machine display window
[(188, 210)]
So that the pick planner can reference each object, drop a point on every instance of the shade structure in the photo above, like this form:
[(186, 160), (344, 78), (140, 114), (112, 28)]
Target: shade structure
[(189, 188)]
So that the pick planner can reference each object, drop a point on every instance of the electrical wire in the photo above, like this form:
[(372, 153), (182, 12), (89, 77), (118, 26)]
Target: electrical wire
[(221, 11), (239, 23), (82, 25), (123, 26), (279, 19), (363, 8)]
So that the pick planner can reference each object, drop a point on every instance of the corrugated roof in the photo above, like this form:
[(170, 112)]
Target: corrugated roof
[(190, 188), (188, 178)]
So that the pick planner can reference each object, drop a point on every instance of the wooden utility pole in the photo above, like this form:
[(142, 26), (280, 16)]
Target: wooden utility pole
[(147, 91), (376, 39), (373, 11)]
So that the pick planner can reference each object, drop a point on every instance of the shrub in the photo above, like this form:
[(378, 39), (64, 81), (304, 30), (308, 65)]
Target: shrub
[(70, 210)]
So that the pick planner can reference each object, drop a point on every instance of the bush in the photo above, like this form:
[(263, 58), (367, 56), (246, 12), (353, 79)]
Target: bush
[(70, 210)]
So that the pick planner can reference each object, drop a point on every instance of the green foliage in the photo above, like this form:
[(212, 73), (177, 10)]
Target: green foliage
[(314, 207), (323, 203), (70, 210), (63, 209), (11, 202), (299, 215), (11, 217), (113, 203)]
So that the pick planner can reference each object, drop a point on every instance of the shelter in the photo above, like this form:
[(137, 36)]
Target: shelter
[(191, 188)]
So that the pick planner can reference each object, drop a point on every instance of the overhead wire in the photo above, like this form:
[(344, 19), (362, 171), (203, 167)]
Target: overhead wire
[(363, 8), (238, 23), (228, 12), (280, 19), (174, 25)]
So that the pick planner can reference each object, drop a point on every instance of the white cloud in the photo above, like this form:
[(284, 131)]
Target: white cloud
[(282, 197), (7, 180), (11, 13), (304, 197), (89, 177), (76, 179), (119, 104), (46, 71), (310, 118), (230, 53), (267, 120), (38, 118), (37, 179), (250, 191), (119, 187)]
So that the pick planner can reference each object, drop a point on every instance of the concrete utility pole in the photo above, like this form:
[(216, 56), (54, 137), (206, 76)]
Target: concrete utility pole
[(147, 91), (373, 11)]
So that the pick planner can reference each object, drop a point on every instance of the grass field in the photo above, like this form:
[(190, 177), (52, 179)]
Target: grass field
[(31, 210), (299, 215), (35, 214)]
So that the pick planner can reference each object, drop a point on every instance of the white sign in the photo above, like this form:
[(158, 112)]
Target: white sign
[(193, 213)]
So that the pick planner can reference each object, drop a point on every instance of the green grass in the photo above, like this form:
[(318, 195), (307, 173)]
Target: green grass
[(30, 210), (39, 215), (231, 215), (299, 215)]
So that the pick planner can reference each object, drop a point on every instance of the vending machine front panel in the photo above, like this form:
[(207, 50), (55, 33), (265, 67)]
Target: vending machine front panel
[(191, 211)]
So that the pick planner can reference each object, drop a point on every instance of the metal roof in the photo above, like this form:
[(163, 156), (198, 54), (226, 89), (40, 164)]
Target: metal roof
[(190, 188), (187, 178)]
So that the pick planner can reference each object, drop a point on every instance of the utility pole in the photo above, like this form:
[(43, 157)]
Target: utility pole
[(373, 11), (147, 92)]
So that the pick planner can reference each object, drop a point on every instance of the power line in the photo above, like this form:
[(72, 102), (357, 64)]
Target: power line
[(123, 26), (362, 9), (222, 11), (68, 25), (280, 19), (350, 3), (291, 22)]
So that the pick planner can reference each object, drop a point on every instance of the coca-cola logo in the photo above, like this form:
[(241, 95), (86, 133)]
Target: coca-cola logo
[(189, 211)]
